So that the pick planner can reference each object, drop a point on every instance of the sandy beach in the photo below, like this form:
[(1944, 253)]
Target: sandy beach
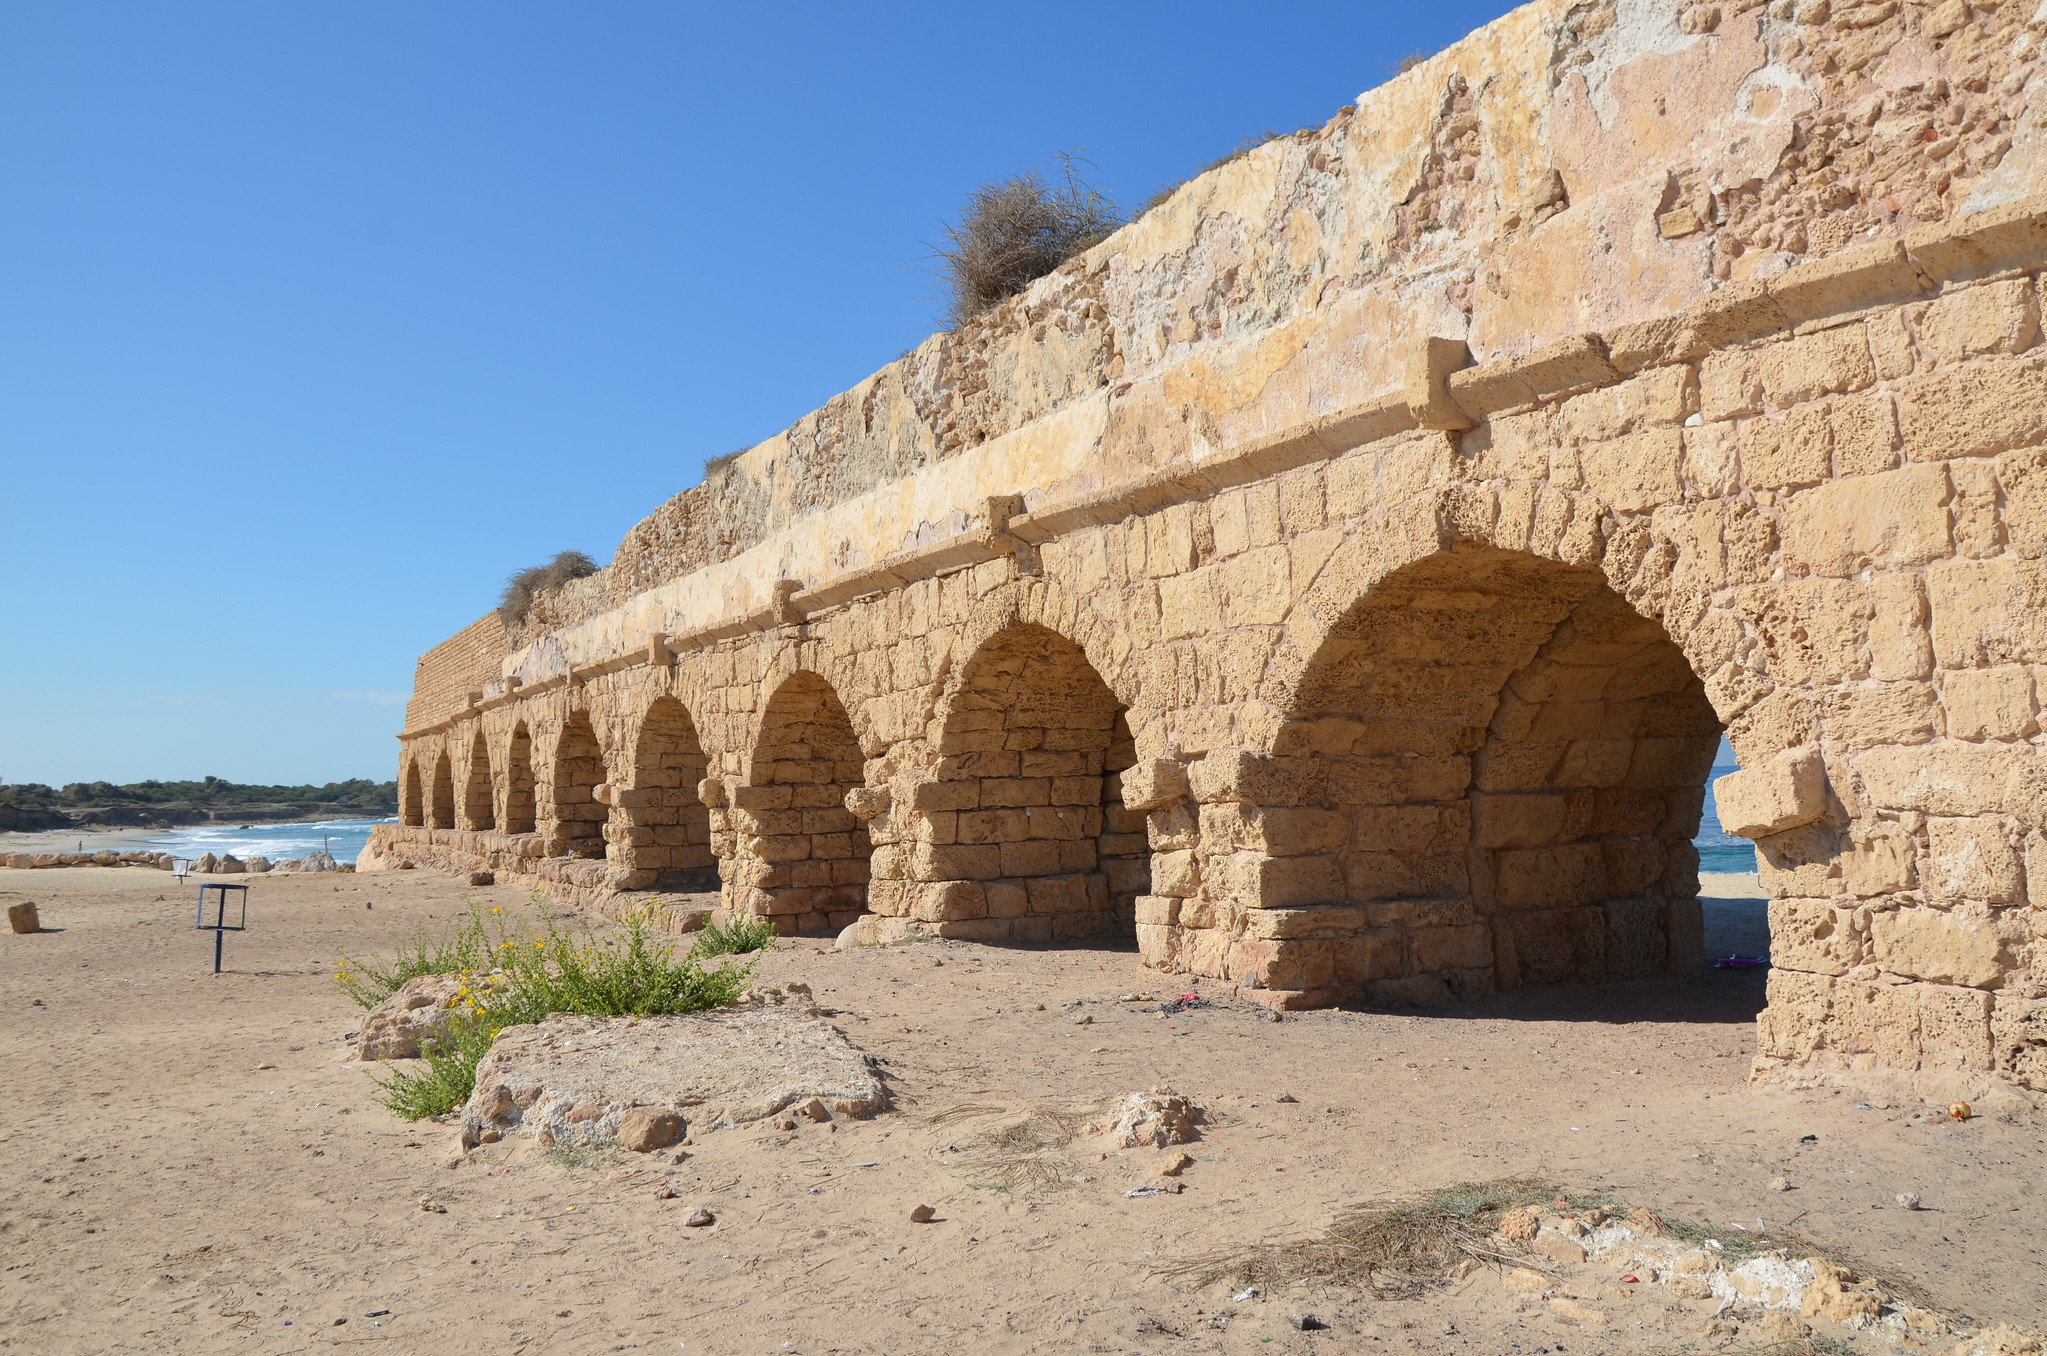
[(197, 1166)]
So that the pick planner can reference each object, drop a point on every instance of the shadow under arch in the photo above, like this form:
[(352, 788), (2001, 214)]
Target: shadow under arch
[(575, 825), (519, 802), (801, 858), (1026, 837), (411, 810), (479, 809), (1490, 777), (659, 828), (440, 808)]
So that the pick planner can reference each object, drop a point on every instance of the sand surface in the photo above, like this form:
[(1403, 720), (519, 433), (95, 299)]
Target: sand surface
[(192, 1165)]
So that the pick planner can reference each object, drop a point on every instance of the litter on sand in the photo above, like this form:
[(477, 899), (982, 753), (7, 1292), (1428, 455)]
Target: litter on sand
[(1740, 962)]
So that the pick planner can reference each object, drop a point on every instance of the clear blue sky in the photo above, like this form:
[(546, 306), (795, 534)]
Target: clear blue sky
[(318, 319)]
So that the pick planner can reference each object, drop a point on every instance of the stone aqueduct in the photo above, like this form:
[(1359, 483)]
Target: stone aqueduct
[(1341, 579)]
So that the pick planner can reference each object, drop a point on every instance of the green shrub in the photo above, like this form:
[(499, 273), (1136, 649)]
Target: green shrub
[(523, 973), (447, 1077), (737, 938), (463, 945)]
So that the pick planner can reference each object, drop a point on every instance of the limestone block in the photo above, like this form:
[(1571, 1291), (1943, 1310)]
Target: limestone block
[(1284, 882), (1466, 947), (1999, 317), (1989, 703), (1255, 588), (1325, 920), (1989, 612), (1959, 946), (1973, 859), (1153, 783), (1294, 831), (1813, 935), (866, 803), (1635, 473), (1175, 874), (1865, 430), (1793, 449), (1881, 713), (1868, 522), (1789, 790), (1941, 779), (1900, 642), (1550, 877), (1881, 864), (2022, 478), (1828, 362), (1509, 820), (1157, 911), (1985, 406), (2018, 1038)]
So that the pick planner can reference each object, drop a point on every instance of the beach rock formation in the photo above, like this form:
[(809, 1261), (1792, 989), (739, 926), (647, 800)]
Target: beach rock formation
[(1340, 579), (643, 1082)]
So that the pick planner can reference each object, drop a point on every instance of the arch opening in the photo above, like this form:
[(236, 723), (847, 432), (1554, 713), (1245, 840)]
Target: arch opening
[(1491, 778), (803, 856), (658, 822), (1033, 842), (440, 811), (478, 808), (519, 808), (411, 809), (577, 822)]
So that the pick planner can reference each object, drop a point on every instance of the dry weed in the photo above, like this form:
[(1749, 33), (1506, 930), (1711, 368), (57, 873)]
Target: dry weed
[(1392, 1248), (1021, 1153), (1014, 231)]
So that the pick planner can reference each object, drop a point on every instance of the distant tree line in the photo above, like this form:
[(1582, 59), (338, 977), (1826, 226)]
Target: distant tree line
[(32, 805)]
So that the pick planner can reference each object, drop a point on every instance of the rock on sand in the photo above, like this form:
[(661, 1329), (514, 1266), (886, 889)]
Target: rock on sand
[(644, 1081)]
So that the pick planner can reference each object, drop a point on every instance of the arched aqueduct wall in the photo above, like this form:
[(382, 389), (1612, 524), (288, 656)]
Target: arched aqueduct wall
[(1343, 576)]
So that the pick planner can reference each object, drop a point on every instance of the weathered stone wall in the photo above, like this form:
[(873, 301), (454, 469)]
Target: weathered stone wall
[(1342, 576)]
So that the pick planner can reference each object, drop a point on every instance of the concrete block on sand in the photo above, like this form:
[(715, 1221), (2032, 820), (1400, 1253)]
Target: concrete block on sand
[(608, 1080)]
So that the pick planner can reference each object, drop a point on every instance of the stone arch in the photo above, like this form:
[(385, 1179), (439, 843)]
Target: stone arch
[(576, 819), (411, 807), (659, 825), (802, 858), (440, 807), (1044, 604), (478, 807), (519, 802), (1490, 775), (1022, 835)]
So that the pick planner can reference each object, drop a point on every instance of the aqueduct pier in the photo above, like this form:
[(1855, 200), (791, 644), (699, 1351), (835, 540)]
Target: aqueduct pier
[(1341, 578)]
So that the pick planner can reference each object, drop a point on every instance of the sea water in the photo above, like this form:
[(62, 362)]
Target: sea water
[(344, 838), (1721, 852)]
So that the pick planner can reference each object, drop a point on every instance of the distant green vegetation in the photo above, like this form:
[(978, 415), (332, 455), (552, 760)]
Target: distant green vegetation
[(31, 805)]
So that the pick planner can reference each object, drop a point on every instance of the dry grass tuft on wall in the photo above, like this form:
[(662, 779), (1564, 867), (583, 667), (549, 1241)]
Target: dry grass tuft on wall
[(1014, 231), (521, 589)]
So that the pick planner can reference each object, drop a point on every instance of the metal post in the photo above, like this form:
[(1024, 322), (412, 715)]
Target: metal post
[(218, 937)]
